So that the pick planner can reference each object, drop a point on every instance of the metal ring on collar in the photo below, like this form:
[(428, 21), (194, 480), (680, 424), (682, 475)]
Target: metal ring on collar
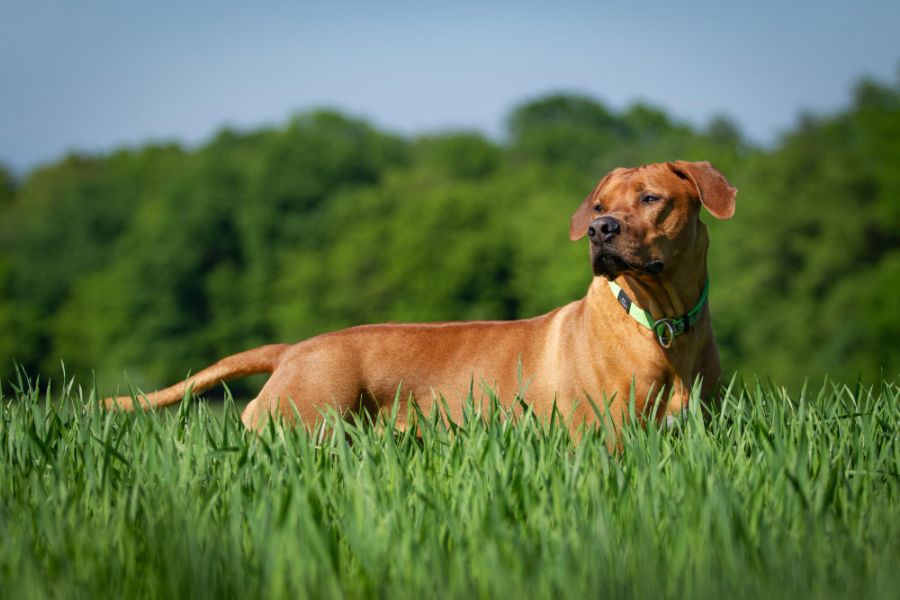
[(665, 332)]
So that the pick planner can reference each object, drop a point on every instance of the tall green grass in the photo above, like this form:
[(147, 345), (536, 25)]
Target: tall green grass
[(773, 496)]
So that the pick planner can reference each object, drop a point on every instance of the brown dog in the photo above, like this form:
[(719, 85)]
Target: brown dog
[(644, 323)]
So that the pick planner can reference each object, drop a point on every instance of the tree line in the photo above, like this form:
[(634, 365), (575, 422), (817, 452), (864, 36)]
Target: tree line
[(160, 259)]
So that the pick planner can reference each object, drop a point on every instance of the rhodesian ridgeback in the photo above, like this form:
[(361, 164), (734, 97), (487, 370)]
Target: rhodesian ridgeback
[(643, 328)]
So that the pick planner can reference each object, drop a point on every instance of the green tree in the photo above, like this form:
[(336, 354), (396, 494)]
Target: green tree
[(814, 267), (161, 259)]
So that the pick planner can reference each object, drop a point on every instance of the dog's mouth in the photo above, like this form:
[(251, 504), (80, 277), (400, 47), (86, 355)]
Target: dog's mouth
[(610, 265)]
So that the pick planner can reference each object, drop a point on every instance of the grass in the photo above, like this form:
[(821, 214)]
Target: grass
[(773, 497)]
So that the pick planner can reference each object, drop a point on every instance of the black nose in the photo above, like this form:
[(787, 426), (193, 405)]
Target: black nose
[(604, 229)]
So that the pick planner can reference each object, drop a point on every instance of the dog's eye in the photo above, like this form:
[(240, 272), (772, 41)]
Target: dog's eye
[(650, 198), (598, 208)]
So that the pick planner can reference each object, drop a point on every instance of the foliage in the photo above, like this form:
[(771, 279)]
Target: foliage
[(776, 496), (822, 255), (159, 260)]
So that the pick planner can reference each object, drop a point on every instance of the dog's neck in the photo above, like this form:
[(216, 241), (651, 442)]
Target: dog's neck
[(671, 293), (662, 296)]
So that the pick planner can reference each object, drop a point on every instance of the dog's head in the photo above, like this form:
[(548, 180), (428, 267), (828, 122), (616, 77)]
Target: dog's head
[(646, 219)]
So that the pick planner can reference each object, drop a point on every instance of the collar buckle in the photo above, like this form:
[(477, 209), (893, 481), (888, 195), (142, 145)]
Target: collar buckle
[(665, 332)]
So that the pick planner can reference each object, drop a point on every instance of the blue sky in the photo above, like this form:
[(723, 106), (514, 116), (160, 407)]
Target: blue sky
[(91, 76)]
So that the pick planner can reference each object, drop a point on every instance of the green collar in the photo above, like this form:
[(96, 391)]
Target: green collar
[(665, 328)]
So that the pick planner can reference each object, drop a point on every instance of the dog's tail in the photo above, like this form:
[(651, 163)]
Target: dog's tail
[(259, 360)]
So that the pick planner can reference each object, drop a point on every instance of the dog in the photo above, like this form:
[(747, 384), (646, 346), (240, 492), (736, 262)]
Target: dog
[(640, 337)]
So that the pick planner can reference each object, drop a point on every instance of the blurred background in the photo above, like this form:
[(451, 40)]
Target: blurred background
[(179, 183)]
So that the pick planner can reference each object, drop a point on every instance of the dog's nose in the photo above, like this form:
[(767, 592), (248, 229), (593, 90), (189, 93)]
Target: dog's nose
[(604, 229)]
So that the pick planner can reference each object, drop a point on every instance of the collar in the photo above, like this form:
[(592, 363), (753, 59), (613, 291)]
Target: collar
[(666, 328)]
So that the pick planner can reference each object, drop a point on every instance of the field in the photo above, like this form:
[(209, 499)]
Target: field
[(774, 496)]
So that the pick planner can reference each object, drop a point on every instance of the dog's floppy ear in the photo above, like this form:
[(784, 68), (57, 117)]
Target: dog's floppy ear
[(584, 216), (716, 194)]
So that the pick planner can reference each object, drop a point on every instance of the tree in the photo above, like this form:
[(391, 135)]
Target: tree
[(160, 260)]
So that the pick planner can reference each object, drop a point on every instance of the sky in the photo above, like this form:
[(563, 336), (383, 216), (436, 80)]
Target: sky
[(91, 76)]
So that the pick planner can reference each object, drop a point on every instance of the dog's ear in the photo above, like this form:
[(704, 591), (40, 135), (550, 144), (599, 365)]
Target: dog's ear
[(716, 194), (584, 216)]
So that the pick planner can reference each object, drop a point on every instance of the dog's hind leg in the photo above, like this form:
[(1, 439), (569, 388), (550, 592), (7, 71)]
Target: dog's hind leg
[(283, 397), (312, 378)]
